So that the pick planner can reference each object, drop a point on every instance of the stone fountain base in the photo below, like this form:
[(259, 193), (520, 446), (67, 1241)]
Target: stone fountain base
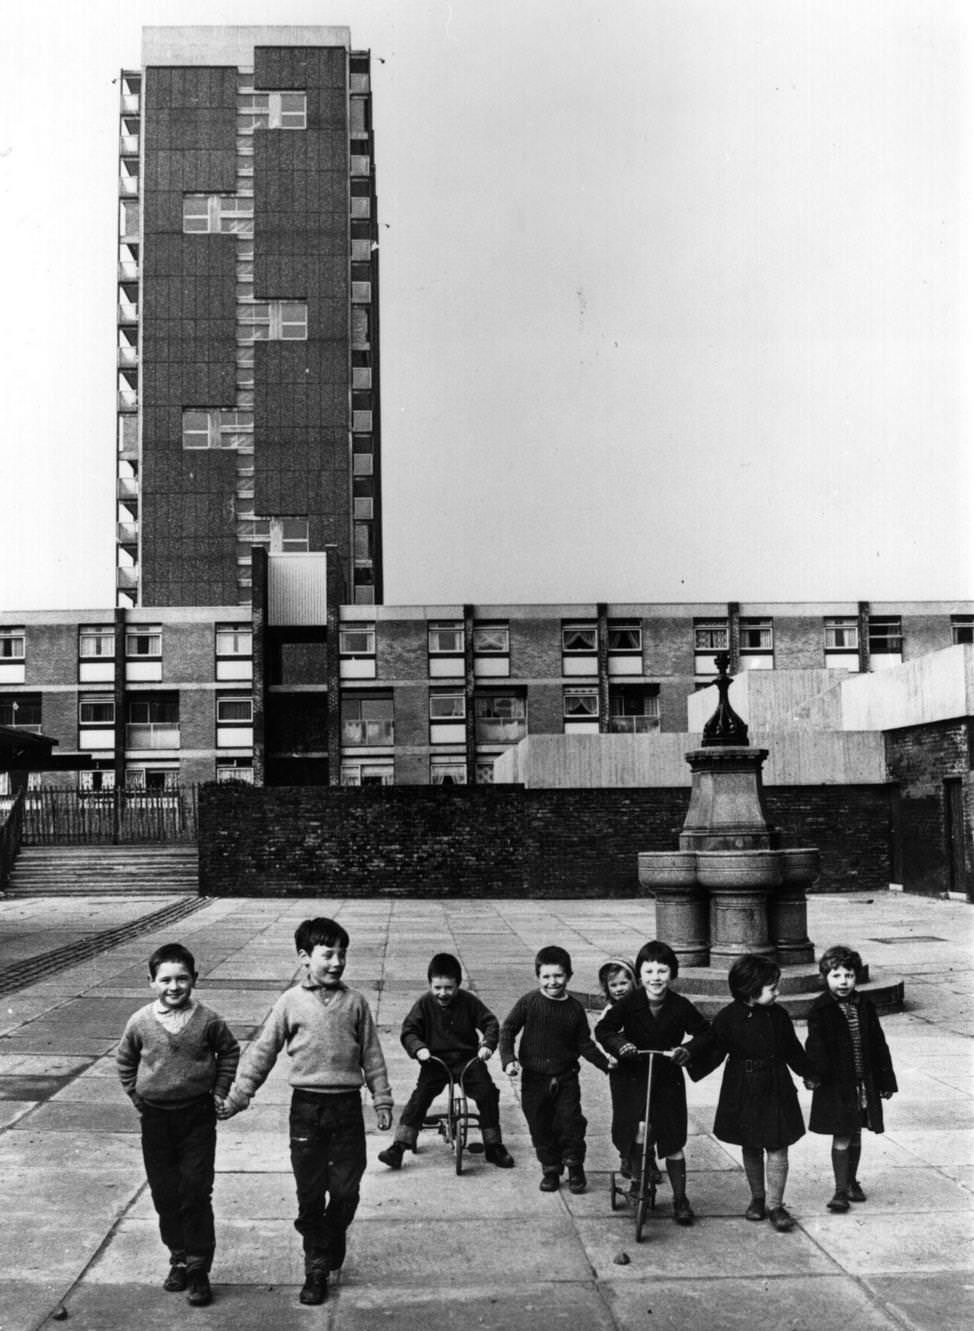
[(798, 988)]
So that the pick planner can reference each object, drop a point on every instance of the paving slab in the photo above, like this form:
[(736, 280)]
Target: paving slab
[(484, 1249)]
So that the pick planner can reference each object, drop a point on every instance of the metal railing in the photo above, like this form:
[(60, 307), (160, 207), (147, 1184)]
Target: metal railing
[(53, 816)]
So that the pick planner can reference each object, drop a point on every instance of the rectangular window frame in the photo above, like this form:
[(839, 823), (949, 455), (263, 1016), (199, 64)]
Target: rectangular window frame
[(841, 633), (143, 642), (885, 635), (356, 640), (491, 639), (572, 696), (625, 638), (580, 638), (763, 626), (13, 644), (89, 704), (710, 635), (96, 642), (448, 705), (444, 637)]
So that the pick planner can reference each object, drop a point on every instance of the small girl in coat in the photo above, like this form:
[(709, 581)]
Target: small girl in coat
[(758, 1106), (616, 979), (847, 1046), (654, 1017)]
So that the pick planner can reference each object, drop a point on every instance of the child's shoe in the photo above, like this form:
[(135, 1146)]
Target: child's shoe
[(550, 1180), (839, 1202), (781, 1219), (498, 1154), (757, 1210), (392, 1156), (683, 1212), (856, 1193), (177, 1279), (577, 1182), (198, 1292), (315, 1288)]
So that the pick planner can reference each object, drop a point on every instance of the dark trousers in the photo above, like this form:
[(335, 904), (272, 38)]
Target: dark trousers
[(328, 1160), (553, 1109), (432, 1079), (178, 1147)]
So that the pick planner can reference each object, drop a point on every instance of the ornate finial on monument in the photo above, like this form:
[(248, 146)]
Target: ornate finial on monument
[(725, 727)]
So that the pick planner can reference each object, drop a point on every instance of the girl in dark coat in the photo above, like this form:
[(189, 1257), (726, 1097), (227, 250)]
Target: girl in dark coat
[(654, 1017), (758, 1106), (852, 1061)]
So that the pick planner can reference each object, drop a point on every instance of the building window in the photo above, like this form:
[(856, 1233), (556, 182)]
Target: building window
[(154, 780), (235, 769), (579, 638), (234, 711), (757, 635), (96, 640), (484, 771), (450, 706), (272, 321), (214, 214), (22, 711), (294, 535), (96, 781), (377, 773), (12, 644), (152, 722), (625, 636), (842, 634), (234, 640), (368, 720), (272, 110), (501, 718), (885, 635), (581, 704), (357, 641), (445, 639), (491, 639), (710, 635), (217, 427), (143, 641), (633, 711), (448, 772), (96, 710), (962, 628)]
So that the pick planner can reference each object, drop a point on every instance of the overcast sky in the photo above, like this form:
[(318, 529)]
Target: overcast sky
[(676, 295)]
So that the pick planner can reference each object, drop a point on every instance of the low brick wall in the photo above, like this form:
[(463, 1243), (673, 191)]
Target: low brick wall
[(504, 841)]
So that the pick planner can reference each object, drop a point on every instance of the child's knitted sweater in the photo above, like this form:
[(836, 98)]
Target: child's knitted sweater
[(168, 1068), (330, 1036), (554, 1034)]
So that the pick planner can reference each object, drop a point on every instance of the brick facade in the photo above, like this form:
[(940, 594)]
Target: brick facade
[(932, 854), (497, 840)]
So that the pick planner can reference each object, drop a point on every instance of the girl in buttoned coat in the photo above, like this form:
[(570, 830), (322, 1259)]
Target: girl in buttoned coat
[(654, 1017), (758, 1106)]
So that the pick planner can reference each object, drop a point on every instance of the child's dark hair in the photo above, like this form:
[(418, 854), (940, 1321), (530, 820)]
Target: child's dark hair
[(654, 950), (615, 966), (840, 955), (553, 956), (749, 974), (172, 952), (445, 965), (310, 933)]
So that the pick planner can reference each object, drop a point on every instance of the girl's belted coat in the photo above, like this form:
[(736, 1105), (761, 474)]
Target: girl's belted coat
[(631, 1021), (758, 1103), (835, 1105)]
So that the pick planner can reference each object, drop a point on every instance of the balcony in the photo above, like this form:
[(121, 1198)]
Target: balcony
[(633, 725), (127, 579), (128, 312), (372, 733), (128, 145), (128, 357), (128, 270), (152, 735), (127, 533), (128, 400)]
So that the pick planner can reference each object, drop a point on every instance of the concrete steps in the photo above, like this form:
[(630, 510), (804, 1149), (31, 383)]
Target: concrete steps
[(140, 870)]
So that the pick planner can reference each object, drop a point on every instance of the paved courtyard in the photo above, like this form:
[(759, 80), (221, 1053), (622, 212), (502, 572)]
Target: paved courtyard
[(486, 1249)]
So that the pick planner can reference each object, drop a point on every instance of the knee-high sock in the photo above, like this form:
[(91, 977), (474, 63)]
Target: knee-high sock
[(777, 1176), (754, 1169), (677, 1170), (840, 1167), (855, 1152)]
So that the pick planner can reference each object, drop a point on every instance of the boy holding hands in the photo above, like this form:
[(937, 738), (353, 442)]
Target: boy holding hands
[(554, 1033), (329, 1033), (175, 1060)]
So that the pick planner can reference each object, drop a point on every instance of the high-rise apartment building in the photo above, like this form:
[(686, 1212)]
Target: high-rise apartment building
[(248, 377)]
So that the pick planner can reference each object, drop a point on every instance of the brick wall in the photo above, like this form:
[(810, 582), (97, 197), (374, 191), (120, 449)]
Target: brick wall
[(496, 840), (920, 759)]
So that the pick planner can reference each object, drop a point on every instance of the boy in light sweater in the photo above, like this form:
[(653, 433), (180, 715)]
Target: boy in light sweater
[(176, 1059), (330, 1035)]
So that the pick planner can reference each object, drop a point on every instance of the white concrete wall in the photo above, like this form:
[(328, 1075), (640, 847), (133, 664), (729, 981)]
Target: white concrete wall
[(795, 759), (777, 700), (935, 687)]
